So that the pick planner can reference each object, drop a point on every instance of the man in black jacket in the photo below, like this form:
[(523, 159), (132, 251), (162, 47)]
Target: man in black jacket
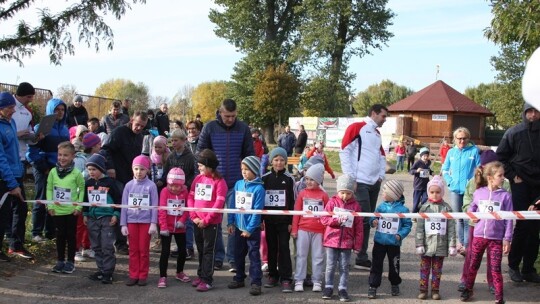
[(162, 120), (301, 141)]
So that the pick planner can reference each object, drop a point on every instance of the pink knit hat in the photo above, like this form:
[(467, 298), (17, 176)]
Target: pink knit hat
[(143, 161), (436, 181)]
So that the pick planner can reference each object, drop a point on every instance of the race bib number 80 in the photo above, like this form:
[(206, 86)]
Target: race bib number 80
[(388, 225)]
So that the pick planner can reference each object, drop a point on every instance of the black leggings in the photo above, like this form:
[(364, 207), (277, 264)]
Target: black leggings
[(66, 228), (180, 239)]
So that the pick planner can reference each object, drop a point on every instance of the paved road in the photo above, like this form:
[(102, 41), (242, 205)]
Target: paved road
[(36, 284)]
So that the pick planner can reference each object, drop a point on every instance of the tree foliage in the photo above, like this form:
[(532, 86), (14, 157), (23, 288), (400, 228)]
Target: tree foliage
[(52, 30), (67, 93), (122, 89), (181, 105), (318, 100), (387, 92), (207, 98)]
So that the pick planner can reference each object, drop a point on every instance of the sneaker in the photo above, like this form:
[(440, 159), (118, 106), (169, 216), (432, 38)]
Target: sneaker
[(4, 257), (218, 265), (271, 283), (203, 287), (500, 301), (58, 267), (190, 253), (23, 253), (395, 290), (299, 286), (107, 279), (232, 268), (532, 277), (364, 265), (422, 295), (307, 281), (162, 283), (97, 276), (515, 275), (461, 287), (327, 293), (372, 293), (343, 296), (435, 295), (142, 282), (466, 295), (317, 287), (492, 290), (264, 267), (286, 287), (196, 282), (38, 239), (235, 285), (131, 282), (69, 267), (255, 290), (79, 257), (89, 253), (463, 251), (182, 277)]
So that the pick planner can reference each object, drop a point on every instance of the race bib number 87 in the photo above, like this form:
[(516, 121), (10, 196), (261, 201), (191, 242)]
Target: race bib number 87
[(139, 200)]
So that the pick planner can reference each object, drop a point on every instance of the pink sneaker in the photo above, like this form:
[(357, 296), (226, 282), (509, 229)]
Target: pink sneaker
[(182, 277), (196, 282), (204, 287), (162, 282)]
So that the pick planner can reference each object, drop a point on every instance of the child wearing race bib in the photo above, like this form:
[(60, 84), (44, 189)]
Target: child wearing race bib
[(160, 152), (101, 221), (343, 233), (173, 223), (308, 229), (421, 170), (139, 224), (208, 190), (249, 195), (388, 238), (495, 235), (65, 183), (279, 186), (435, 238)]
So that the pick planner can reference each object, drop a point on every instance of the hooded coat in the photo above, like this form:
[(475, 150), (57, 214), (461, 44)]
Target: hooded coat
[(436, 244), (459, 167), (405, 224)]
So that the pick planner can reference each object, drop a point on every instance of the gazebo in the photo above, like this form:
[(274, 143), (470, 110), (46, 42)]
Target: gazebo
[(436, 111)]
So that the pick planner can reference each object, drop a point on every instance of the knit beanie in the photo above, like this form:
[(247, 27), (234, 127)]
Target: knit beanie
[(423, 151), (77, 98), (393, 189), (487, 156), (316, 173), (278, 151), (90, 140), (25, 89), (176, 176), (436, 181), (143, 161), (80, 129), (345, 183), (253, 163), (315, 159), (97, 161), (6, 100)]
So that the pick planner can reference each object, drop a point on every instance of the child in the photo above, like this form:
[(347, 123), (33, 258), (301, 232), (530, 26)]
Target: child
[(208, 190), (388, 237), (342, 233), (249, 194), (173, 223), (160, 153), (279, 196), (318, 150), (100, 221), (421, 170), (435, 238), (400, 155), (308, 230), (139, 224), (65, 183), (495, 235)]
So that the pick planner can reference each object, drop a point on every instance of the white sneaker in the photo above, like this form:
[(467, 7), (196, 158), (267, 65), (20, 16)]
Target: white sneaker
[(299, 286), (89, 253), (264, 267), (79, 257), (317, 287), (38, 239)]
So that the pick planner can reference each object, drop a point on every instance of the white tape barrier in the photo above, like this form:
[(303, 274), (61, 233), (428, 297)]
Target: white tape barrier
[(497, 215)]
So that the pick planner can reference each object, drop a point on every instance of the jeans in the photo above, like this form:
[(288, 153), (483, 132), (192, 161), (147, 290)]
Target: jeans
[(189, 234), (41, 220), (419, 197), (221, 254), (341, 257), (367, 196), (248, 246), (456, 202), (18, 224), (399, 162)]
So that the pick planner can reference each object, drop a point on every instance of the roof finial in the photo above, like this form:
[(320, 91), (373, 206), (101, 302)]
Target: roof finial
[(437, 72)]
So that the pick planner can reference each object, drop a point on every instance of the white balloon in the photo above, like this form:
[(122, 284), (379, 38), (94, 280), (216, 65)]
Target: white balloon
[(531, 80)]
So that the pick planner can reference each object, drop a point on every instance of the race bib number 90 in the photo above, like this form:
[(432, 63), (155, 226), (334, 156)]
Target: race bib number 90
[(62, 194), (312, 205), (388, 225), (203, 192), (139, 200)]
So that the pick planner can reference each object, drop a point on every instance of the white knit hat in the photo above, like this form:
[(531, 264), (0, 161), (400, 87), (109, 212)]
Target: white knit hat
[(345, 183), (393, 189), (316, 173)]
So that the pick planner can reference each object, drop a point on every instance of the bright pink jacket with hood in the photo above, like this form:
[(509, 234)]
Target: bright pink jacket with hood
[(217, 199), (167, 219), (338, 236)]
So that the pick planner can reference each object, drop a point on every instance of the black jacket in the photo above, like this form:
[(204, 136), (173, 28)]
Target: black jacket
[(121, 149), (280, 180), (162, 122), (301, 143)]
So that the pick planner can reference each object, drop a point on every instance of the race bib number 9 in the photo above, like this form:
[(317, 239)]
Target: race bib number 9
[(175, 203), (434, 226), (388, 225), (244, 200), (203, 192), (312, 205), (139, 200), (275, 198), (97, 196), (489, 206), (62, 194)]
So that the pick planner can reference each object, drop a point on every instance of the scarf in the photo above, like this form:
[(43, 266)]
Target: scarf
[(63, 172)]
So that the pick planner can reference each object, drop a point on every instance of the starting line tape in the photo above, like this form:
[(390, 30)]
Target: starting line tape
[(498, 215)]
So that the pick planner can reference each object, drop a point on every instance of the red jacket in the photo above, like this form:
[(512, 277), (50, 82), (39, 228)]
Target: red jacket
[(338, 236), (258, 146), (310, 224), (168, 218)]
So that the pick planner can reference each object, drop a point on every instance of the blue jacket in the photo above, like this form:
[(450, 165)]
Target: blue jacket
[(405, 224), (459, 167), (248, 222), (231, 145), (44, 154), (10, 164)]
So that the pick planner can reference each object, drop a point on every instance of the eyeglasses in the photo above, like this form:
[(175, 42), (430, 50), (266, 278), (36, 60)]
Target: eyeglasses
[(189, 129), (461, 138)]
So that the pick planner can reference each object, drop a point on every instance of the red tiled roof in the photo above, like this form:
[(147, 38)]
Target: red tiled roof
[(438, 97)]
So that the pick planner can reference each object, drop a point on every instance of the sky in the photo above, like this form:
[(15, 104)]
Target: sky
[(168, 44)]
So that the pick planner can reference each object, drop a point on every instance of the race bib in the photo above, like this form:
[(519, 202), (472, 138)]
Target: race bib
[(489, 206), (434, 226), (424, 173), (312, 205), (350, 218), (97, 196), (203, 192), (62, 194), (275, 198), (388, 225), (244, 200), (159, 173), (175, 203), (139, 200)]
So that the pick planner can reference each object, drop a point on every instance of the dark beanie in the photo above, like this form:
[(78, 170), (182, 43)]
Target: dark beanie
[(25, 89), (97, 161), (487, 156)]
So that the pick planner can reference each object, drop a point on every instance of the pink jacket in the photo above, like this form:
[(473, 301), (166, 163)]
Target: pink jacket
[(207, 192), (167, 219), (341, 237)]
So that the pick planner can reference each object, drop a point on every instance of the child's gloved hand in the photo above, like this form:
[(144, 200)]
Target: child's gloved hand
[(452, 251), (124, 231), (342, 219), (164, 233), (420, 250), (152, 229), (179, 225)]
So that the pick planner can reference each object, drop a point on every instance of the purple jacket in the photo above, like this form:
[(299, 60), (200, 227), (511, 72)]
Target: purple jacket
[(492, 229), (142, 192), (338, 236)]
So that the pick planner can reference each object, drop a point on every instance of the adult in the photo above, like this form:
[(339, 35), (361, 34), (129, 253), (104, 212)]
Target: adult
[(194, 128), (362, 157), (94, 127), (11, 168), (301, 141), (162, 120), (77, 114), (411, 154), (115, 118), (126, 104), (287, 140), (231, 140), (519, 151), (457, 170)]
